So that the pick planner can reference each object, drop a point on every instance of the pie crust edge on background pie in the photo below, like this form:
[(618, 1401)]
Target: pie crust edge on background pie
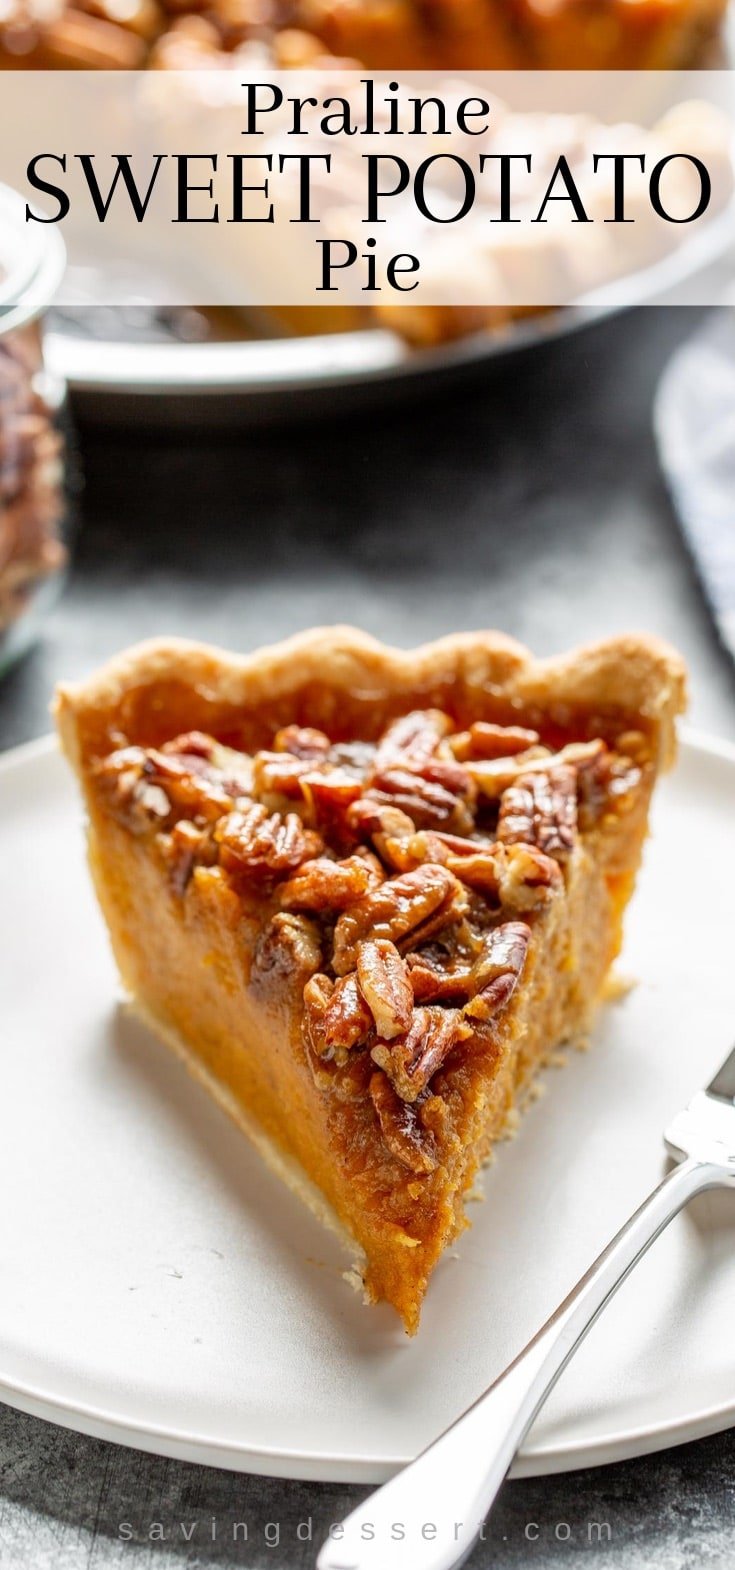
[(386, 1166)]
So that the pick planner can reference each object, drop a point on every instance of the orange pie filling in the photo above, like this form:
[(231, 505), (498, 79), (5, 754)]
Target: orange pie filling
[(368, 926)]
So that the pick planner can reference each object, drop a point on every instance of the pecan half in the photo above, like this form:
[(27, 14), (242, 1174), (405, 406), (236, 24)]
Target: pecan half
[(411, 1059), (438, 976), (302, 741), (411, 906), (336, 1016), (478, 869), (541, 809), (389, 828), (405, 851), (409, 773), (484, 740), (279, 774), (324, 885), (330, 793), (441, 973), (223, 768), (191, 783), (412, 740), (401, 1127), (497, 973), (385, 986), (192, 744), (317, 995), (186, 847), (288, 952), (264, 845), (526, 877), (609, 785), (493, 775), (133, 797), (434, 798), (348, 1019)]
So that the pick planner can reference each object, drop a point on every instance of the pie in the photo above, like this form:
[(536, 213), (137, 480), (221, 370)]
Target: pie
[(396, 34), (366, 894)]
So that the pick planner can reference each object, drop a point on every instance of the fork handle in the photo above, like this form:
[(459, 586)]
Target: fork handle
[(442, 1498)]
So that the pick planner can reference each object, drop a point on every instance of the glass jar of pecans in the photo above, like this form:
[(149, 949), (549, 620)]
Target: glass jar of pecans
[(33, 514)]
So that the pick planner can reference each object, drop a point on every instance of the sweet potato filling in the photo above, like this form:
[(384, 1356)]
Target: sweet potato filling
[(371, 942)]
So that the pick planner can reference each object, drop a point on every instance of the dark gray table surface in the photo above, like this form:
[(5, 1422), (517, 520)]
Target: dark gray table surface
[(528, 498)]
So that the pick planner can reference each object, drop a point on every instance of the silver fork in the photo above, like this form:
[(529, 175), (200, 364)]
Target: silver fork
[(451, 1486)]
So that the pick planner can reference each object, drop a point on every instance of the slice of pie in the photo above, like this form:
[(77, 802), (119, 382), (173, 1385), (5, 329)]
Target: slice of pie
[(366, 893)]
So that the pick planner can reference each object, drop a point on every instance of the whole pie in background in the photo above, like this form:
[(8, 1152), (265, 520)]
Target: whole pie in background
[(398, 34), (366, 894)]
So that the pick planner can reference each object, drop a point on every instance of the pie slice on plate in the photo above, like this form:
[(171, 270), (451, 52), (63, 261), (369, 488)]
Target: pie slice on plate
[(366, 893)]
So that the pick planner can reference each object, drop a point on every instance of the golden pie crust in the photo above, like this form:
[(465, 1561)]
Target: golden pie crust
[(236, 970)]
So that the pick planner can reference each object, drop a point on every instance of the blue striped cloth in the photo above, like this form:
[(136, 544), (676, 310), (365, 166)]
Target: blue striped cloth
[(695, 430)]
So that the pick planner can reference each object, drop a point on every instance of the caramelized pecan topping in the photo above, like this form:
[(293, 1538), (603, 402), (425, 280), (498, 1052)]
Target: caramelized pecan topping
[(186, 847), (220, 771), (608, 786), (330, 794), (302, 741), (345, 1075), (288, 952), (484, 740), (279, 774), (262, 844), (527, 878), (492, 776), (385, 985), (541, 809), (497, 973), (324, 885), (336, 1015), (192, 744), (464, 976), (395, 866), (435, 791), (430, 802), (413, 905), (439, 975), (410, 1060), (412, 740)]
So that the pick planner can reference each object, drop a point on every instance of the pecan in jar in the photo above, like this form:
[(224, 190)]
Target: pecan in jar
[(32, 550)]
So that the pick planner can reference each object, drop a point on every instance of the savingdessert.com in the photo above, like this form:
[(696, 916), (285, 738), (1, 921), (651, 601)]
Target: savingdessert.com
[(273, 1534)]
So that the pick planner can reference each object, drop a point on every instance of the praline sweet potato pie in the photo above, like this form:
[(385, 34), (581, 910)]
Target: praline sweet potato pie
[(366, 893)]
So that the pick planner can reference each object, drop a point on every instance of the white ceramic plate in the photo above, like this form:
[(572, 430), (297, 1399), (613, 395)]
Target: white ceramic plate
[(161, 1288)]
